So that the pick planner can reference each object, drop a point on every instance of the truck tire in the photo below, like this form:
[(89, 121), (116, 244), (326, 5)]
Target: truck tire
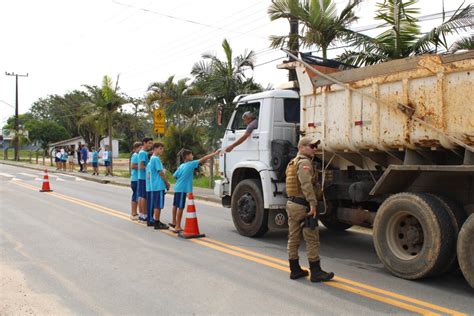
[(458, 217), (465, 249), (248, 214), (330, 220), (411, 237)]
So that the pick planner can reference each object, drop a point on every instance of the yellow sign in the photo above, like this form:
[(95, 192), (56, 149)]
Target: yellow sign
[(159, 121)]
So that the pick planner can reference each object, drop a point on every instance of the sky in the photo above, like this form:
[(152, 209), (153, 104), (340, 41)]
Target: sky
[(63, 44)]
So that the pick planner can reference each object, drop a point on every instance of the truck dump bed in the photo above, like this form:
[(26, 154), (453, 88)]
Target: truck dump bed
[(367, 113)]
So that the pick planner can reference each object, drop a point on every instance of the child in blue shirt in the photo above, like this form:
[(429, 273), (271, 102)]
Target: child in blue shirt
[(64, 156), (134, 179), (149, 204), (95, 161), (147, 143), (159, 183), (184, 183)]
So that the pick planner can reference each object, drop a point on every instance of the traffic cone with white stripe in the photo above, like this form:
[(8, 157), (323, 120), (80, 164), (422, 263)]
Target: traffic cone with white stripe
[(191, 227), (45, 187)]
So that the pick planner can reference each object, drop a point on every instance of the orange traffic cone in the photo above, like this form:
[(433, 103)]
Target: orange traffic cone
[(45, 187), (191, 227)]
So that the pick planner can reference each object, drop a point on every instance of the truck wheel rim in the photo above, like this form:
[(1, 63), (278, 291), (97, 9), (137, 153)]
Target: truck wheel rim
[(247, 208), (405, 236)]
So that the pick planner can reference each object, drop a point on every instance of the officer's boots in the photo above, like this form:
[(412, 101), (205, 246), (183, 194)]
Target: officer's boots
[(317, 274), (295, 270)]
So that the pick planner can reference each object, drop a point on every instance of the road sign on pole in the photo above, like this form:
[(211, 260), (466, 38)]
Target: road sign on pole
[(159, 121)]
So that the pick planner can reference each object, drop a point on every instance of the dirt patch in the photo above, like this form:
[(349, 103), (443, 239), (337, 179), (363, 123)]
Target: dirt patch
[(16, 298)]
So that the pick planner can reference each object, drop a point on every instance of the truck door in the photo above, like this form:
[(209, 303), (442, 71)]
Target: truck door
[(248, 150)]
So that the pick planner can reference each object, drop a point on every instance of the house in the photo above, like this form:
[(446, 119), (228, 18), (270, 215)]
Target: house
[(74, 142)]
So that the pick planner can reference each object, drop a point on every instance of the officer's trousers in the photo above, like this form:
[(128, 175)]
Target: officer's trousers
[(296, 231)]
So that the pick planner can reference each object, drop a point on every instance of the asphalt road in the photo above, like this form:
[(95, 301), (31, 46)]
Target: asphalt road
[(77, 246)]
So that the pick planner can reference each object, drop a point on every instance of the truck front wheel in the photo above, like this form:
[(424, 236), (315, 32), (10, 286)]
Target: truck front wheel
[(413, 235), (248, 214), (466, 250)]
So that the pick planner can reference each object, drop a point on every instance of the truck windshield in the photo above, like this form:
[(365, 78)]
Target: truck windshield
[(292, 110)]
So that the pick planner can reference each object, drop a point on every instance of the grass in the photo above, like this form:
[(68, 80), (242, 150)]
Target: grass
[(124, 155), (24, 155)]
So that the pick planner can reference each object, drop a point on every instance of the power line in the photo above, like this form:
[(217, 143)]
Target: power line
[(173, 17), (197, 41)]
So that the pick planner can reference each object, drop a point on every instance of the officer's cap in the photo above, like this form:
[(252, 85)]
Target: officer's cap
[(304, 141)]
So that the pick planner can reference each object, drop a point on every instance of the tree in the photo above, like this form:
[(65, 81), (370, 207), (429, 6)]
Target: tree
[(177, 138), (403, 37), (107, 101), (321, 24), (65, 110), (45, 132), (220, 81), (180, 101), (463, 43), (22, 120)]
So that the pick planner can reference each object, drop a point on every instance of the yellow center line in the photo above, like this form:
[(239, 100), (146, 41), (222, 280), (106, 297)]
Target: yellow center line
[(347, 288), (277, 263), (344, 280)]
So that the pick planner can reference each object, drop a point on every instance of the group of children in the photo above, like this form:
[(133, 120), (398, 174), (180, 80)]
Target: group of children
[(65, 156), (149, 183)]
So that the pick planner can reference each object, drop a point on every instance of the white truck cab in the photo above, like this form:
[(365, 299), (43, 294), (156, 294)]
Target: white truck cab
[(251, 184)]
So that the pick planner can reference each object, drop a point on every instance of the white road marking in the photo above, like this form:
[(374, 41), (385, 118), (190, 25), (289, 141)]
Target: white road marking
[(6, 175), (28, 174), (67, 176), (38, 179), (79, 179), (15, 179)]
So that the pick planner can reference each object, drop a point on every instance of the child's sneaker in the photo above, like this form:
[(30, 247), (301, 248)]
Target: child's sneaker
[(134, 217), (160, 225)]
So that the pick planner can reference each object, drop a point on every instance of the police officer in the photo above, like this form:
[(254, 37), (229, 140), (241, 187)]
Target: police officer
[(301, 180)]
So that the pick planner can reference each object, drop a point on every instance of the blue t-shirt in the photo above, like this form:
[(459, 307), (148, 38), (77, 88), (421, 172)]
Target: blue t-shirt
[(84, 154), (157, 182), (142, 157), (148, 178), (184, 176), (64, 156), (95, 157), (109, 155), (134, 172)]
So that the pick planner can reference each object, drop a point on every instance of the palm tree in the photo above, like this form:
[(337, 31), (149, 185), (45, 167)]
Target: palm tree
[(221, 81), (321, 24), (107, 102), (463, 43), (403, 37), (180, 101)]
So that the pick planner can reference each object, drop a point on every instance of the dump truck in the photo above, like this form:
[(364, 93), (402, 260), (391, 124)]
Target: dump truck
[(396, 155)]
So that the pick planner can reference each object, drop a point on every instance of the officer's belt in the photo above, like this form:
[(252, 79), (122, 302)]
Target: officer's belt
[(298, 200)]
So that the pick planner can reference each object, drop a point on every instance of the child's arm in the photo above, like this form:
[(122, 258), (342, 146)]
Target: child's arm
[(163, 176), (203, 159)]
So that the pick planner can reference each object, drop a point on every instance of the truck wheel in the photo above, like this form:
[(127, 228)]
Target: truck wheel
[(248, 214), (411, 236), (466, 250), (330, 219), (458, 217)]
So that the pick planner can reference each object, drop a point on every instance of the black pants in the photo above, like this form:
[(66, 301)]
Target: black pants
[(80, 164)]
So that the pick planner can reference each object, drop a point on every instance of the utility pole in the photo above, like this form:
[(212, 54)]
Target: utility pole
[(294, 45), (16, 139)]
